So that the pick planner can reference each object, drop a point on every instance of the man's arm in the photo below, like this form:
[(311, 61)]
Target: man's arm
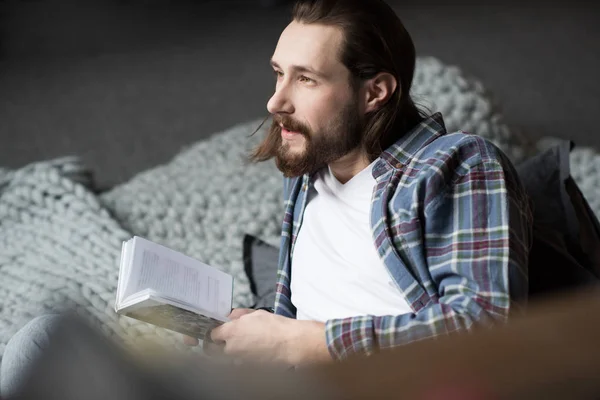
[(476, 235)]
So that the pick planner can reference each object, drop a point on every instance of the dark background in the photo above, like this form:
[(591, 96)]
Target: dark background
[(126, 84)]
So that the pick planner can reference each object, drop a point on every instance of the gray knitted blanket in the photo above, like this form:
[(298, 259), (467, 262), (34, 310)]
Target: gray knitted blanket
[(60, 243)]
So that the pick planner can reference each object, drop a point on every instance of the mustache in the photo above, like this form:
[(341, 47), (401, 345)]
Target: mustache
[(291, 124)]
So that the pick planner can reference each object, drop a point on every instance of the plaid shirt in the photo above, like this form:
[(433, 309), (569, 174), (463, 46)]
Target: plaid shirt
[(452, 225)]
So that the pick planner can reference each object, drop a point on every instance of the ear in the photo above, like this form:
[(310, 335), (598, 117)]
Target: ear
[(378, 90)]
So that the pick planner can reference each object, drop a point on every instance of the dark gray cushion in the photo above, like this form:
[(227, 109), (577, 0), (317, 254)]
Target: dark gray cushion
[(566, 234), (260, 265)]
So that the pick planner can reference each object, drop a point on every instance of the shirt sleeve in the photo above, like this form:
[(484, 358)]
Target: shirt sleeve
[(475, 240)]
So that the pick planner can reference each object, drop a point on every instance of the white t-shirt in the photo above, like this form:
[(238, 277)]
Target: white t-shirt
[(336, 270)]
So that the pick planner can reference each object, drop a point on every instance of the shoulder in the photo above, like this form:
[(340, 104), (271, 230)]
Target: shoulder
[(457, 158), (460, 151), (457, 154)]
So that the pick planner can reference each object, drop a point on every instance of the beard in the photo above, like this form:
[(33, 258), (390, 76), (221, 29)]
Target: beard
[(342, 135)]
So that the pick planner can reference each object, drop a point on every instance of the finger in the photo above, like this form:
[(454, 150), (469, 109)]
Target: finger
[(217, 334), (238, 312), (190, 341), (211, 348), (235, 313)]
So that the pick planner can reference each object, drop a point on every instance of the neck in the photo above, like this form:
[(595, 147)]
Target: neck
[(348, 166)]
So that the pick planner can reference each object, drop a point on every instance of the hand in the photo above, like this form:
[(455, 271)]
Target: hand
[(266, 337), (235, 314), (238, 312)]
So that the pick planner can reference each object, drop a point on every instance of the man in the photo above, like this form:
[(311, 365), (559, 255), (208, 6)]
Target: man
[(394, 229)]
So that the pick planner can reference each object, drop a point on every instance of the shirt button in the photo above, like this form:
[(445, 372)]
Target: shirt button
[(399, 165), (305, 188)]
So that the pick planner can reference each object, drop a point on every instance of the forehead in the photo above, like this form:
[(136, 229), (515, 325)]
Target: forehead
[(309, 44)]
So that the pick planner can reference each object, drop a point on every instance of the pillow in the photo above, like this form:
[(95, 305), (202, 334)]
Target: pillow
[(260, 265), (566, 234)]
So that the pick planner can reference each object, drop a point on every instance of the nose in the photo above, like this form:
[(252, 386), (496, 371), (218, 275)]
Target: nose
[(280, 102)]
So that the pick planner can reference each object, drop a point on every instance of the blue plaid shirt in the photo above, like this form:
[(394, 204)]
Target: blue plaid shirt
[(452, 224)]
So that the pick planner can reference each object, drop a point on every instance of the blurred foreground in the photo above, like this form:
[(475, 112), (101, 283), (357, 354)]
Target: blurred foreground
[(551, 354)]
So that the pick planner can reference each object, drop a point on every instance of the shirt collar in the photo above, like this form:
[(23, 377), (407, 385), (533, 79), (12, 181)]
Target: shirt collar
[(400, 153)]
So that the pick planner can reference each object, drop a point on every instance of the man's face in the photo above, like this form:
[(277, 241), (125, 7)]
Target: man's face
[(316, 113)]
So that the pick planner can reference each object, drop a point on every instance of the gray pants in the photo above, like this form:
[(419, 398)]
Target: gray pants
[(22, 350)]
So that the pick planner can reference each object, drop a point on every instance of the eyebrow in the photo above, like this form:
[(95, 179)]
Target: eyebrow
[(300, 68)]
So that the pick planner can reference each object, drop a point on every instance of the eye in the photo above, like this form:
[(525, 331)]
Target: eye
[(305, 79), (278, 74)]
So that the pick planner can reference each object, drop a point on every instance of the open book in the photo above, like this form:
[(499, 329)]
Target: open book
[(168, 289)]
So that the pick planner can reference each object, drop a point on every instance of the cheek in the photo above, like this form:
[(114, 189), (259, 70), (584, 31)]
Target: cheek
[(318, 110)]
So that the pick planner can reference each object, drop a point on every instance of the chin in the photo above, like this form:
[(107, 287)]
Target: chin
[(296, 148), (296, 151)]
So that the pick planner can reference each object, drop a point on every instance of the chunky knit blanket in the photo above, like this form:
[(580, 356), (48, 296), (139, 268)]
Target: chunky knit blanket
[(60, 243)]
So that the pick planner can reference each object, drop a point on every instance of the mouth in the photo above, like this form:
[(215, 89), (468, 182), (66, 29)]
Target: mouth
[(287, 134)]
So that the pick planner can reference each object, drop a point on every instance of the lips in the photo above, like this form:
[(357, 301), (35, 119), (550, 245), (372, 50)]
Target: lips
[(288, 130), (287, 134)]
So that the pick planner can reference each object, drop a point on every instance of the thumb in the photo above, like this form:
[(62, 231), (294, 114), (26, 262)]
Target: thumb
[(218, 334)]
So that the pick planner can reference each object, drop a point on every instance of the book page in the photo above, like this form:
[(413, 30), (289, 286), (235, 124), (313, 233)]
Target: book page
[(124, 265), (176, 319), (175, 275)]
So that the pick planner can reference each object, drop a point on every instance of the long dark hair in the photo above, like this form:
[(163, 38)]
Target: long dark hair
[(375, 41)]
